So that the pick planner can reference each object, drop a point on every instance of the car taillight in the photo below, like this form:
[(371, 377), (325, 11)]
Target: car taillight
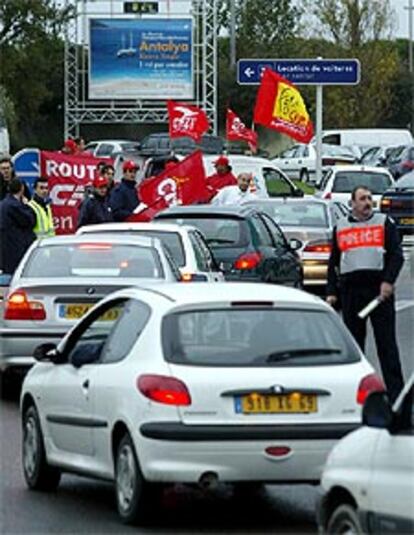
[(370, 383), (163, 389), (19, 307), (248, 261), (328, 195), (318, 247), (385, 204), (193, 277), (328, 161), (407, 164)]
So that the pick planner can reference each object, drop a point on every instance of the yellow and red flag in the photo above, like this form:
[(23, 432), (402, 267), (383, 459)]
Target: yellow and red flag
[(280, 106)]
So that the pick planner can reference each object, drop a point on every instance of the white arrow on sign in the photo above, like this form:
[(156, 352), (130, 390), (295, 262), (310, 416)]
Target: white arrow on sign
[(248, 72)]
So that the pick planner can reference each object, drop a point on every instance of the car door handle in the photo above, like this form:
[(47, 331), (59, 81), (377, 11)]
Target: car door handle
[(85, 384)]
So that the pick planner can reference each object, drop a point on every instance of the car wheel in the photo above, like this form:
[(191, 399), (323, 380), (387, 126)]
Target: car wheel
[(344, 520), (304, 176), (38, 474), (130, 485)]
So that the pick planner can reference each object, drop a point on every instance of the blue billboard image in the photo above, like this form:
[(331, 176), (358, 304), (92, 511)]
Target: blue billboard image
[(140, 59)]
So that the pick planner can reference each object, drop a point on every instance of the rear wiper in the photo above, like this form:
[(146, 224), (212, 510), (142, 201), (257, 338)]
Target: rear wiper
[(289, 353), (219, 240)]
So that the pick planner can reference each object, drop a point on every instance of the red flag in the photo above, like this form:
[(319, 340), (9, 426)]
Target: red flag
[(279, 105), (185, 120), (183, 183), (236, 130)]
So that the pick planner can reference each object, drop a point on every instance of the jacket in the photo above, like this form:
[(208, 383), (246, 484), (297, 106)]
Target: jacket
[(388, 269), (95, 209), (4, 188), (44, 227), (123, 200), (215, 182), (16, 232)]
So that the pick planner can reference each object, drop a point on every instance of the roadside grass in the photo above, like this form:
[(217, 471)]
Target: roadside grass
[(277, 187)]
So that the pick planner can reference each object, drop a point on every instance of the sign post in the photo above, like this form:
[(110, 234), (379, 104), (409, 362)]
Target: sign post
[(318, 72)]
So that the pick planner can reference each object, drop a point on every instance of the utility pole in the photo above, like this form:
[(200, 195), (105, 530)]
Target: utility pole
[(410, 9), (233, 34)]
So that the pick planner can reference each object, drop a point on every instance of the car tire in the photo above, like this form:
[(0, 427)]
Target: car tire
[(344, 519), (304, 176), (39, 475), (132, 491)]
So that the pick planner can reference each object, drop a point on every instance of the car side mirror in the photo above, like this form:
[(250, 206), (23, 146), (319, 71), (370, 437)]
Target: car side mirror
[(295, 244), (46, 353), (377, 411), (298, 192)]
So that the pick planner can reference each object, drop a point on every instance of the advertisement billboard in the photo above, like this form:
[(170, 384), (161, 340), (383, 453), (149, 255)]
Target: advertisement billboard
[(140, 58)]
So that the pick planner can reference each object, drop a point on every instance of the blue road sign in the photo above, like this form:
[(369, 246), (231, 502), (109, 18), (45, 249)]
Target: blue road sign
[(26, 164), (301, 71)]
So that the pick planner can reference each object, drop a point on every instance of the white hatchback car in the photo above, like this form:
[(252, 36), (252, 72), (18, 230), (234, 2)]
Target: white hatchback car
[(339, 181), (186, 244), (193, 383), (368, 480)]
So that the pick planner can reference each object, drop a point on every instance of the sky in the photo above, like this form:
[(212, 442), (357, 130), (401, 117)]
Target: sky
[(402, 17)]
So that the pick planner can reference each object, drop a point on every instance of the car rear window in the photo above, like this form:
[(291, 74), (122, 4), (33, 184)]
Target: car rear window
[(256, 337), (301, 214), (346, 181), (94, 260), (218, 231)]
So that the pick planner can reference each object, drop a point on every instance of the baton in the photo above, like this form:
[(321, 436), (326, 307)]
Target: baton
[(362, 314)]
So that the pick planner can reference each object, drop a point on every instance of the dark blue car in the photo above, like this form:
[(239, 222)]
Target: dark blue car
[(398, 202)]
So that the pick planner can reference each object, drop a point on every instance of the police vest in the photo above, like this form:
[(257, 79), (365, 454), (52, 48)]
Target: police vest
[(361, 244), (44, 221)]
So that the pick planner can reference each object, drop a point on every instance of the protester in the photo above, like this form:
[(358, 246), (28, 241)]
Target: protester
[(236, 194), (40, 204), (6, 175), (222, 177), (69, 147), (365, 261), (17, 220), (124, 196), (80, 144), (108, 172), (95, 209)]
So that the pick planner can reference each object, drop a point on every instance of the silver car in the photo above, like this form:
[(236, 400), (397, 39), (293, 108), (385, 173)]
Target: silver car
[(60, 279)]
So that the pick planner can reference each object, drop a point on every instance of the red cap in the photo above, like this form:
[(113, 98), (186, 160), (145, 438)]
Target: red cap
[(222, 160), (100, 182), (129, 164), (71, 145)]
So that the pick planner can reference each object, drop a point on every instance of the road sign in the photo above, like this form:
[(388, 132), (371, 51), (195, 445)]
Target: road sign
[(26, 164), (301, 71)]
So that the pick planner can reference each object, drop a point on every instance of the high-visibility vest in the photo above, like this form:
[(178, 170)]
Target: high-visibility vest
[(44, 220), (361, 243)]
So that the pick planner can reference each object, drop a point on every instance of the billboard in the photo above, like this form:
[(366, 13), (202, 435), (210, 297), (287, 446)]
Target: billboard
[(140, 58)]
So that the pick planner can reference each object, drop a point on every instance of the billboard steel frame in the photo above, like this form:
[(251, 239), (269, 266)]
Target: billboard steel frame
[(80, 110)]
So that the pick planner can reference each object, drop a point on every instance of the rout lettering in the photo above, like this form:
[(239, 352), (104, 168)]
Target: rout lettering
[(367, 236), (80, 171)]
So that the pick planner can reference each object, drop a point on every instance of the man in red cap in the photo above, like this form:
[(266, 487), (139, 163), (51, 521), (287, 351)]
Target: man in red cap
[(69, 147), (95, 209), (124, 197), (222, 177)]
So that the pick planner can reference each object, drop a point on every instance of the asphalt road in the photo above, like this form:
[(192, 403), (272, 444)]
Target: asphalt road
[(85, 506)]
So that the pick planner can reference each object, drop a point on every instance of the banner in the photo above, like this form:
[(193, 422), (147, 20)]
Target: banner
[(67, 177), (185, 120), (279, 105), (141, 58), (183, 183), (236, 130)]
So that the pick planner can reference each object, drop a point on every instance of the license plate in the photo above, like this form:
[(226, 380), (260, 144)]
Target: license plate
[(407, 221), (75, 311), (277, 404)]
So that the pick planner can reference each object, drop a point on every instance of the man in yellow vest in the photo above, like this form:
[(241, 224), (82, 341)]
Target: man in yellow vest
[(40, 204)]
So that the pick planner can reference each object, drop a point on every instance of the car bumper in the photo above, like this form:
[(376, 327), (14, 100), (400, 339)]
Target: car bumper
[(315, 272), (174, 452)]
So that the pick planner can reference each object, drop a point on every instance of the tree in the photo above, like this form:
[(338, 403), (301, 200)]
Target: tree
[(31, 51)]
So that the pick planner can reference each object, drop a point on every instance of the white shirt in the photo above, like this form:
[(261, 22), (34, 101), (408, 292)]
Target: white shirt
[(233, 195)]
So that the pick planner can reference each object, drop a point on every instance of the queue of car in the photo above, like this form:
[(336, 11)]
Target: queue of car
[(192, 330)]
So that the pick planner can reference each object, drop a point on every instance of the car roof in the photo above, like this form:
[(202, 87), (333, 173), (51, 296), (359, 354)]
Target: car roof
[(203, 209), (280, 200), (252, 160), (155, 225), (143, 241), (361, 168), (241, 292)]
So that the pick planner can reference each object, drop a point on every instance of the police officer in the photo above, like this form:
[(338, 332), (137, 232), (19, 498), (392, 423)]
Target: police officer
[(40, 204), (124, 197), (95, 209), (365, 261)]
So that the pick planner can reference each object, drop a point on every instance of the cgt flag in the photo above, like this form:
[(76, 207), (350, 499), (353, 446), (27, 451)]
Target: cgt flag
[(236, 130), (279, 105), (182, 183), (185, 120)]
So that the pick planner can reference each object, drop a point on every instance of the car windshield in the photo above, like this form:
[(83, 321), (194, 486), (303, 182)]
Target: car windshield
[(300, 214), (218, 231), (346, 181), (94, 260), (252, 336)]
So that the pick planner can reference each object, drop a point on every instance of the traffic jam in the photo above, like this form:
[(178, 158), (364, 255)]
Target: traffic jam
[(183, 319)]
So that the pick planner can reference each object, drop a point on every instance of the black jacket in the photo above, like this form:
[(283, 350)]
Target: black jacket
[(95, 209), (16, 232), (4, 188), (124, 199), (393, 262)]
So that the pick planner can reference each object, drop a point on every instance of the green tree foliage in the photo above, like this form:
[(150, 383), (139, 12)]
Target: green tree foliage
[(31, 51)]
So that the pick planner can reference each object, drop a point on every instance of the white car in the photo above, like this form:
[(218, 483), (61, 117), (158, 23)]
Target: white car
[(194, 383), (339, 181), (368, 481), (109, 147), (186, 244)]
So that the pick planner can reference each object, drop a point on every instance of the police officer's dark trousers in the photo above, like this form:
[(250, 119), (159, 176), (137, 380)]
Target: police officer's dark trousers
[(354, 298)]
